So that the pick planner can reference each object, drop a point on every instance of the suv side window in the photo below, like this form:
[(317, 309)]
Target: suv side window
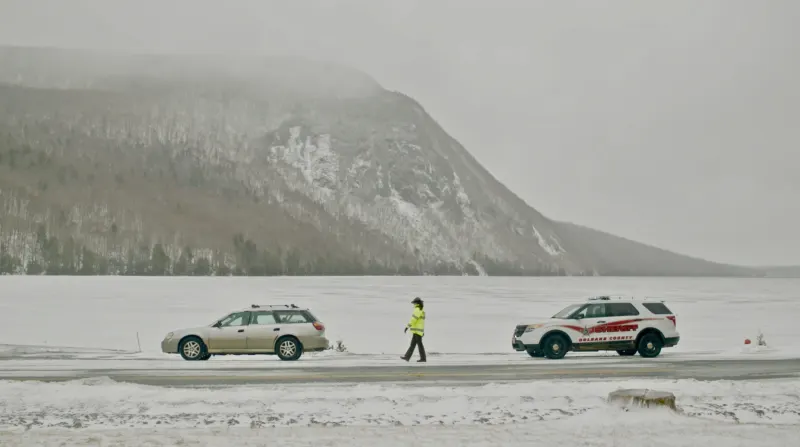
[(621, 310), (291, 316), (592, 311), (236, 319), (657, 308), (263, 317)]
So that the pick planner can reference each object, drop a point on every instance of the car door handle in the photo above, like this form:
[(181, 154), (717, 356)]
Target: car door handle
[(277, 329), (240, 330)]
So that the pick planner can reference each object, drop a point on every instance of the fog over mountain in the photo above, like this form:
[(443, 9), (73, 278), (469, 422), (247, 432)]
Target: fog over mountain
[(672, 125)]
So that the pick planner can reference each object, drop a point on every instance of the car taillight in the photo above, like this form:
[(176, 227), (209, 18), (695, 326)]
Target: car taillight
[(673, 319), (319, 326)]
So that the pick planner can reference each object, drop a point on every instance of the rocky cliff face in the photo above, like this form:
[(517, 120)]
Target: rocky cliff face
[(153, 163)]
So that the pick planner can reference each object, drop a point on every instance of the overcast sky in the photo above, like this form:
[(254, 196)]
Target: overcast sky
[(677, 125)]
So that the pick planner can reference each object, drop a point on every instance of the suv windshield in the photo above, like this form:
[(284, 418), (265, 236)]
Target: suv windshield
[(567, 311)]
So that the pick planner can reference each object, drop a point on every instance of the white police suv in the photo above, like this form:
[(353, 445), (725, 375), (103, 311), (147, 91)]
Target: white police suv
[(601, 324)]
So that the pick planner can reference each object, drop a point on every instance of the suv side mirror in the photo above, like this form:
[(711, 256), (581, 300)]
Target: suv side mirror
[(578, 317)]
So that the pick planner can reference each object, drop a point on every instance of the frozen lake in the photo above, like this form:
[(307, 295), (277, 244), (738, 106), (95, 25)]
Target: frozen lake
[(466, 316)]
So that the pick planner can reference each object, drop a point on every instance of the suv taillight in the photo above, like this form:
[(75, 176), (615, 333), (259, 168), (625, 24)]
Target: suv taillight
[(319, 326), (673, 319)]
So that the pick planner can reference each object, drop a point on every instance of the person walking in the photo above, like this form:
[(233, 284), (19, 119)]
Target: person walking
[(417, 326)]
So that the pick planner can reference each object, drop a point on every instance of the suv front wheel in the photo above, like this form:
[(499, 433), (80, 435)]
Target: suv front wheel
[(534, 352), (554, 347)]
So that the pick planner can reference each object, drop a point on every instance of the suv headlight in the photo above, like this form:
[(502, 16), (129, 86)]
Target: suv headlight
[(533, 327)]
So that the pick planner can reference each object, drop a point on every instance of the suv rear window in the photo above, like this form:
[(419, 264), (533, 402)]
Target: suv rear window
[(657, 308), (621, 310)]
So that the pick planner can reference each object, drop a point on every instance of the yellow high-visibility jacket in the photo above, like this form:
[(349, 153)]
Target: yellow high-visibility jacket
[(417, 323)]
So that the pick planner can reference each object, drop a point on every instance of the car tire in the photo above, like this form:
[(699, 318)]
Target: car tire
[(650, 345), (536, 353), (192, 348), (288, 348), (554, 347), (626, 352)]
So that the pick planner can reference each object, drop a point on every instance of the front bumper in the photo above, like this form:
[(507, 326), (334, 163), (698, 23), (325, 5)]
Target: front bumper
[(169, 346), (518, 345)]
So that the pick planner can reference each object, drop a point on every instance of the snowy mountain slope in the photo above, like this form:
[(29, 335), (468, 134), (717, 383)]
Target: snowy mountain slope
[(616, 256), (299, 157)]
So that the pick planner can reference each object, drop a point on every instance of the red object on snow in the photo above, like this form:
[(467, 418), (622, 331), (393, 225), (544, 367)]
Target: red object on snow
[(747, 341)]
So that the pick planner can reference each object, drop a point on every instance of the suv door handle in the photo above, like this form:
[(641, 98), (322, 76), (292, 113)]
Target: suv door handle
[(600, 322), (240, 330), (277, 329)]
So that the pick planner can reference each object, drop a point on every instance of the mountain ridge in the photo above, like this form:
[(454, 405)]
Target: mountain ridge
[(162, 164)]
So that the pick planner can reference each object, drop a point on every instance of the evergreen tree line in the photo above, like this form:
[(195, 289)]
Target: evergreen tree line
[(67, 257)]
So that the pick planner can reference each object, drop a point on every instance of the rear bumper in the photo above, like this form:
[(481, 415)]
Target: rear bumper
[(314, 344), (671, 341)]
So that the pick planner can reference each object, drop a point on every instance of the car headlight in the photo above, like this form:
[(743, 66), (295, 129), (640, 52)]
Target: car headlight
[(533, 327), (169, 336)]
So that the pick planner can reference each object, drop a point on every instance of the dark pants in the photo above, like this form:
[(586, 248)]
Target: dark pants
[(416, 340)]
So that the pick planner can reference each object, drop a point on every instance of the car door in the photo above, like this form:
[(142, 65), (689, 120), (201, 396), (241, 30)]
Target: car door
[(262, 331), (230, 334), (593, 318)]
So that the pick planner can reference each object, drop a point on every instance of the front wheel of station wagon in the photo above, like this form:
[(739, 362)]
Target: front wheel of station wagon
[(192, 348)]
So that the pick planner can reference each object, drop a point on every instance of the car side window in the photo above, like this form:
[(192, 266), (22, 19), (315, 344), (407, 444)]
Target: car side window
[(263, 317), (291, 316), (621, 310), (592, 311), (235, 319)]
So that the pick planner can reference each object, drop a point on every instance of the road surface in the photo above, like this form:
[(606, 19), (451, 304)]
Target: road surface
[(427, 373)]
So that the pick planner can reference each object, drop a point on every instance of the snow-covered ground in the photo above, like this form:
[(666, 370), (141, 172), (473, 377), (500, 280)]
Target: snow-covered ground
[(101, 412), (92, 323)]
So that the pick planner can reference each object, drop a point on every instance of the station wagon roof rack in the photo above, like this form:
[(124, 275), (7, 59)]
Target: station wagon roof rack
[(599, 298)]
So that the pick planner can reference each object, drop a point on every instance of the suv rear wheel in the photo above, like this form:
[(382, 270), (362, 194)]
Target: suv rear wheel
[(650, 345)]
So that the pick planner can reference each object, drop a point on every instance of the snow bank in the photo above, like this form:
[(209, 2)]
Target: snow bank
[(472, 315), (102, 402), (725, 413), (594, 429)]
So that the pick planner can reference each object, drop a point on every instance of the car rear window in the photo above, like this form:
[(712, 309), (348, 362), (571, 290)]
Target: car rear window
[(292, 316), (657, 308)]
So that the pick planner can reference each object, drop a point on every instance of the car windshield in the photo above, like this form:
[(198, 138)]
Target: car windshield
[(567, 311)]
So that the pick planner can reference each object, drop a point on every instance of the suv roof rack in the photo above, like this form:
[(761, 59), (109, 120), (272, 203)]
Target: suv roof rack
[(272, 306)]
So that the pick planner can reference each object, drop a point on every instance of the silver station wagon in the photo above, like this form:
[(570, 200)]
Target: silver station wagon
[(283, 330)]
